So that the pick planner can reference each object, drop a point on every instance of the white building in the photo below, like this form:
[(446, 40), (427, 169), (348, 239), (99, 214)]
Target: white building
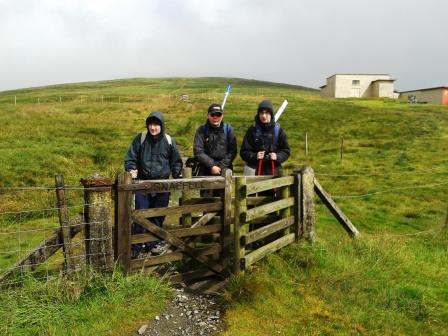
[(435, 95), (359, 86)]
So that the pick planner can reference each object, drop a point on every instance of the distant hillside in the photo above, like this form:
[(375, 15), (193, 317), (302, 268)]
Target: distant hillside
[(167, 82)]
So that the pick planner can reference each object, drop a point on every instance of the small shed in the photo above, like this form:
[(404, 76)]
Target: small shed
[(358, 86), (435, 95)]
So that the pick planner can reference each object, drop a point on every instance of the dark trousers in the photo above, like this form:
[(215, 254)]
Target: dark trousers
[(149, 201)]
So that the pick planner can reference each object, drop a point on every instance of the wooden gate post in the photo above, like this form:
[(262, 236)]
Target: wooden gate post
[(186, 195), (98, 218), (308, 212), (226, 218), (64, 223), (297, 191), (239, 227), (123, 221)]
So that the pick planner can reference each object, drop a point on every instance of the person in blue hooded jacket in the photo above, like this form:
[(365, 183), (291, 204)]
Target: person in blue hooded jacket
[(152, 155)]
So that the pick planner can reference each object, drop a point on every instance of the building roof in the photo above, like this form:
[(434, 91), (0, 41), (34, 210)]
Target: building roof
[(384, 80), (321, 87), (427, 89), (347, 74)]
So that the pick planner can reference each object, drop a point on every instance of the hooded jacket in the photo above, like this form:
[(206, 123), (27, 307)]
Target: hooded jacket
[(216, 148), (260, 137), (155, 158)]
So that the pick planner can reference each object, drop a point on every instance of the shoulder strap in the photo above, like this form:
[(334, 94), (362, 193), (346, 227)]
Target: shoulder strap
[(276, 132), (143, 137), (168, 138)]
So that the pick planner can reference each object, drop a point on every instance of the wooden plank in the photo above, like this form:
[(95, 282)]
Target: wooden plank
[(255, 178), (41, 253), (174, 256), (251, 200), (190, 276), (335, 210), (64, 223), (268, 230), (179, 233), (156, 186), (182, 246), (239, 229), (276, 245), (123, 221), (273, 183), (177, 210), (226, 219), (267, 208)]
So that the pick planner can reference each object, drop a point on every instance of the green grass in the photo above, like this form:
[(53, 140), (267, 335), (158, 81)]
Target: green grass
[(88, 305), (394, 154)]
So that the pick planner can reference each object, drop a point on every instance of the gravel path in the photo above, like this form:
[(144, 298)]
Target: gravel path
[(188, 313)]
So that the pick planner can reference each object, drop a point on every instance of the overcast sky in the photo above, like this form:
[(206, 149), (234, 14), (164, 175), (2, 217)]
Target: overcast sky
[(291, 41)]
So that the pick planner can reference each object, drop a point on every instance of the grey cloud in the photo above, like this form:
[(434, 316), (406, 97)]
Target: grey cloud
[(292, 41)]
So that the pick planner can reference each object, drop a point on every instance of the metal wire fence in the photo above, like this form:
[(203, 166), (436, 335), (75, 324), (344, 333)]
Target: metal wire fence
[(31, 240)]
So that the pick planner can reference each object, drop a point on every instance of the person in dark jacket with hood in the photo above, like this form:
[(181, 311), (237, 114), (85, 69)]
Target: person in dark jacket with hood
[(152, 155), (214, 143), (265, 146)]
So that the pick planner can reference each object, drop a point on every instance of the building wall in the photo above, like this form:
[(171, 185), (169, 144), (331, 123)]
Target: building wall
[(383, 89), (344, 87), (435, 96), (329, 90)]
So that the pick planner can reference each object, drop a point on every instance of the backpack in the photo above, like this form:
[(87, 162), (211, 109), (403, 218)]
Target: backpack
[(145, 133)]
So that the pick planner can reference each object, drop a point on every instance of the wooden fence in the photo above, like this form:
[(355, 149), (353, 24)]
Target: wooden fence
[(218, 225)]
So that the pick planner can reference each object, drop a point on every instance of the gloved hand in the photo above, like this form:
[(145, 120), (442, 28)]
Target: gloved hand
[(134, 173)]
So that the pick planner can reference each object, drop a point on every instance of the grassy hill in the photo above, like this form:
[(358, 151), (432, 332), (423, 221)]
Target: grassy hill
[(391, 182)]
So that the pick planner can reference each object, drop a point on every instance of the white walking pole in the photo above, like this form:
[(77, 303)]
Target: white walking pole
[(280, 110), (225, 96)]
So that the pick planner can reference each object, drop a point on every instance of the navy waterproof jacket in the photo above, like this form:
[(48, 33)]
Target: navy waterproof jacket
[(260, 137), (155, 158)]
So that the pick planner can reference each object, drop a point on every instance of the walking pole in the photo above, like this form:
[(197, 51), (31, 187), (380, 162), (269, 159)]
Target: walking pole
[(226, 93)]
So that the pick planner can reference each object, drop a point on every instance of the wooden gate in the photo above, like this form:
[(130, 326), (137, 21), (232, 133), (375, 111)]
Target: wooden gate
[(265, 224), (212, 217)]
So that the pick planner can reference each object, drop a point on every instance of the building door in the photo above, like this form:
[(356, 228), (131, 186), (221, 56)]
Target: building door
[(445, 97), (355, 92)]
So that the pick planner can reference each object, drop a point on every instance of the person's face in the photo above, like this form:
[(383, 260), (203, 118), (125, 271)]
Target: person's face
[(215, 118), (154, 128), (265, 116)]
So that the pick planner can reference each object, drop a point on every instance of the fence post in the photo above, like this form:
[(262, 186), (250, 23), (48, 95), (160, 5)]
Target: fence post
[(64, 223), (307, 229), (186, 196), (98, 218), (123, 220), (226, 218), (239, 227)]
